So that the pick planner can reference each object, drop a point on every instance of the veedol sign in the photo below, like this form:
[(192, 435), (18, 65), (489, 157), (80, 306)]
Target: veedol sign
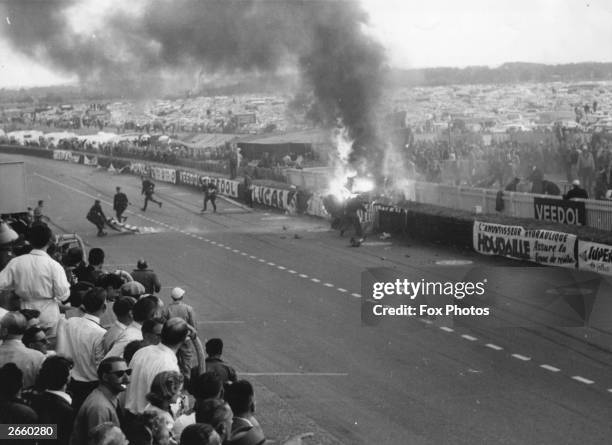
[(559, 210)]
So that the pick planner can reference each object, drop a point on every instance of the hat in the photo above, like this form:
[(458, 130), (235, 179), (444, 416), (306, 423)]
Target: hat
[(576, 182), (142, 264), (177, 293), (7, 235), (132, 289)]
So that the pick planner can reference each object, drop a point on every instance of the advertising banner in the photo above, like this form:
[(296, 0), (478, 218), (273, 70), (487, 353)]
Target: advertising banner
[(227, 187), (62, 155), (562, 211), (189, 178), (139, 168), (163, 174), (544, 247), (277, 198), (595, 257)]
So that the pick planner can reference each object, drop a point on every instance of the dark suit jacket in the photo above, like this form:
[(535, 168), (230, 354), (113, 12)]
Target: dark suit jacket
[(51, 408)]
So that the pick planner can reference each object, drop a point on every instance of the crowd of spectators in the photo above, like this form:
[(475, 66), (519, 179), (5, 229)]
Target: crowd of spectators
[(495, 165), (97, 353)]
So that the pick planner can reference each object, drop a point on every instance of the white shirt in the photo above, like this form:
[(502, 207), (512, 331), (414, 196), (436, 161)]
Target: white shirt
[(80, 339), (146, 364), (40, 282), (183, 422), (131, 333), (28, 360), (112, 335), (61, 394)]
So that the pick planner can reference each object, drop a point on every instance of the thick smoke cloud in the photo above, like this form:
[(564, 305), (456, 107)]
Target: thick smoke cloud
[(135, 48)]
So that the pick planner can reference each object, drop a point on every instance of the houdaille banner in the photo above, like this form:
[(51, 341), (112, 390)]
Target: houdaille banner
[(544, 247)]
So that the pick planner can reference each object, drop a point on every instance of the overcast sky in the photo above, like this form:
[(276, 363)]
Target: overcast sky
[(440, 33)]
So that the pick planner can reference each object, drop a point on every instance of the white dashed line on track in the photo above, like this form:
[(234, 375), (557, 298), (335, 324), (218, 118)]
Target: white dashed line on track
[(495, 347), (521, 357), (281, 267), (303, 275), (447, 329), (328, 285), (356, 295), (292, 271), (550, 368), (271, 264), (341, 289), (469, 337), (315, 280), (583, 380)]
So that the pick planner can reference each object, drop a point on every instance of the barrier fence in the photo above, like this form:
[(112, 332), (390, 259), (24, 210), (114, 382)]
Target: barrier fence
[(516, 204), (598, 214)]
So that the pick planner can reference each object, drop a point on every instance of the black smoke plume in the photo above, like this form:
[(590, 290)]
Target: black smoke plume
[(132, 53)]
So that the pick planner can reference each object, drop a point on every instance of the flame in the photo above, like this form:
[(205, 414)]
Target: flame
[(340, 163), (363, 185)]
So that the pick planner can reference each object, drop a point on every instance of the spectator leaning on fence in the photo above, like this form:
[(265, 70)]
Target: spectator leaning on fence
[(576, 191)]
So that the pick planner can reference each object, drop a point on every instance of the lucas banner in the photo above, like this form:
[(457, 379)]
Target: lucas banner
[(562, 211), (277, 198), (544, 247), (595, 257)]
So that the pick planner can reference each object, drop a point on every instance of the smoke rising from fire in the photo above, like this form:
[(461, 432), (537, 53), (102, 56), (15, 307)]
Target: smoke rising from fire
[(130, 50)]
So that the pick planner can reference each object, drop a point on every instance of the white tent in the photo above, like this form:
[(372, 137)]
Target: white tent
[(100, 138), (25, 135)]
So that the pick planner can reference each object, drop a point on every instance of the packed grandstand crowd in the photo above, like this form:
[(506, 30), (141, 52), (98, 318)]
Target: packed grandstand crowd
[(496, 165), (97, 353)]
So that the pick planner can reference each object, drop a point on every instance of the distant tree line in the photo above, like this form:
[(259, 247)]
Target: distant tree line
[(514, 72)]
